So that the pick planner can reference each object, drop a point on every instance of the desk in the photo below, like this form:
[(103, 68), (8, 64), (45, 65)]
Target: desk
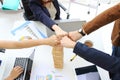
[(2, 66), (43, 59)]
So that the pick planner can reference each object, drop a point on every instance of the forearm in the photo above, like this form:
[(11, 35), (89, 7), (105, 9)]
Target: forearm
[(21, 44), (55, 27), (8, 78), (40, 14), (32, 43), (102, 19)]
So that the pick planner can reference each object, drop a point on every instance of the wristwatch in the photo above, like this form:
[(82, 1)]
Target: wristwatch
[(82, 32)]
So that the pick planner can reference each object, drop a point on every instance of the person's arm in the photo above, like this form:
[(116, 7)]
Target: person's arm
[(104, 60), (41, 16), (59, 31), (16, 71), (52, 41), (97, 57), (102, 19)]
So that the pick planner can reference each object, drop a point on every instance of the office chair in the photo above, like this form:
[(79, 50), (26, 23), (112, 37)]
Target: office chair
[(88, 3), (1, 1), (66, 10), (28, 15)]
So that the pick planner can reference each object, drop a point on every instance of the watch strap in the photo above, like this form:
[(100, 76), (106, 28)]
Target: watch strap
[(81, 32)]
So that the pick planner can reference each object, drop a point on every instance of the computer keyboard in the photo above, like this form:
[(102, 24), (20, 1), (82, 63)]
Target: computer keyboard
[(22, 62), (2, 50)]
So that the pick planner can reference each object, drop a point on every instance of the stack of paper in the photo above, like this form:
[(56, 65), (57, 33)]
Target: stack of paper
[(26, 30)]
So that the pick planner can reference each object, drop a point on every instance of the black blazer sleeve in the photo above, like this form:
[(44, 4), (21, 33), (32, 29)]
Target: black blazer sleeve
[(110, 63), (41, 13)]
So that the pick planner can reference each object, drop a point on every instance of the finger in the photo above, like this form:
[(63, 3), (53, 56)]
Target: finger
[(18, 68), (59, 37), (58, 43), (66, 34), (62, 35), (21, 71), (70, 37)]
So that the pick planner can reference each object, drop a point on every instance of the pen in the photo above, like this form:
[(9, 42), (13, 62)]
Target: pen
[(73, 57), (87, 43)]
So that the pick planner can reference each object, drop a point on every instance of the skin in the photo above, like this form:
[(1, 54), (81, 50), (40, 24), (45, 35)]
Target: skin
[(67, 42), (75, 35), (55, 27), (59, 31), (51, 41), (16, 71)]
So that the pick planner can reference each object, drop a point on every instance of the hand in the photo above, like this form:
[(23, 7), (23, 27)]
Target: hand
[(59, 31), (74, 35), (53, 40), (67, 42), (16, 71)]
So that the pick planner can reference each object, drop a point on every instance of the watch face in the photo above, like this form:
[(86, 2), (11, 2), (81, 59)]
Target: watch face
[(80, 30)]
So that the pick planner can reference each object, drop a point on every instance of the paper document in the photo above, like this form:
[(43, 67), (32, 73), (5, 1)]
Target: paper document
[(45, 72), (27, 29)]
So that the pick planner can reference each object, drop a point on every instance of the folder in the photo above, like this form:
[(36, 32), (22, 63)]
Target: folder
[(10, 5)]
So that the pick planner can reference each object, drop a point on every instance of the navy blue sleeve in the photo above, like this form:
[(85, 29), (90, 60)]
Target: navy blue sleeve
[(40, 15), (97, 57)]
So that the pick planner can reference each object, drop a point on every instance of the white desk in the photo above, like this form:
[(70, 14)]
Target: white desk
[(43, 63), (43, 60), (2, 66)]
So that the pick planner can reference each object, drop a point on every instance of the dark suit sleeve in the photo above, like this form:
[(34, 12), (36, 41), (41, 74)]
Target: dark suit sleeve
[(40, 15), (97, 57)]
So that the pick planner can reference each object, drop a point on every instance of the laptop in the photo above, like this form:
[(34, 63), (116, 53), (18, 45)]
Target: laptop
[(87, 73), (67, 25), (25, 62)]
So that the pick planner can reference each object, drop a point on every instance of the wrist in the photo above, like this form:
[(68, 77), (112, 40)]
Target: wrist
[(9, 78), (55, 27), (82, 32), (45, 41), (73, 45)]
